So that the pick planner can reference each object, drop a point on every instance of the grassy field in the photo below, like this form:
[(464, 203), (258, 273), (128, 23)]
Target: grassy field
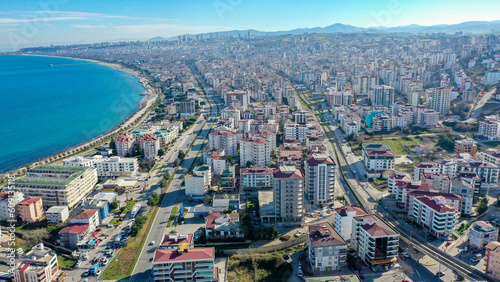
[(397, 144), (65, 262), (123, 264)]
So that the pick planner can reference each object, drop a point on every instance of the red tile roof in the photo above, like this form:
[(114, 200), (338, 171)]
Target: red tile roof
[(168, 241), (431, 203), (29, 201), (279, 174), (74, 228), (172, 255), (342, 211), (211, 218), (323, 235), (378, 229), (85, 214), (313, 160), (256, 170)]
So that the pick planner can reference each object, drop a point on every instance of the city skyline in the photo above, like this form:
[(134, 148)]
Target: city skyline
[(32, 23)]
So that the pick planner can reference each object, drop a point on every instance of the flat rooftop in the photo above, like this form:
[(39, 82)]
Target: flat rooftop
[(72, 172)]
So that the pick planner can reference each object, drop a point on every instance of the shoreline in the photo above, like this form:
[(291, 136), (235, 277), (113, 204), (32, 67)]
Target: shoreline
[(149, 99)]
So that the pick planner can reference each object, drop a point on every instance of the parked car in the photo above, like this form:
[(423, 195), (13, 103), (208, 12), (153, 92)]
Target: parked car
[(286, 257), (440, 274), (97, 272)]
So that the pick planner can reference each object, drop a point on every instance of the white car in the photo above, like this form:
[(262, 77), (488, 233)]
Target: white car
[(97, 272)]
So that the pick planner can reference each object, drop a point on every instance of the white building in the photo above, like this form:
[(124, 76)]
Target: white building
[(434, 216), (8, 203), (256, 178), (39, 264), (343, 220), (57, 214), (184, 262), (378, 157), (489, 129), (288, 191), (373, 240), (125, 144), (149, 145), (80, 161), (256, 150), (382, 95), (441, 99), (320, 179), (481, 234), (224, 140), (58, 185), (116, 167), (195, 184), (465, 189), (327, 250)]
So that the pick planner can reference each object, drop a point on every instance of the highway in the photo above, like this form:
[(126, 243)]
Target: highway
[(175, 193), (364, 196)]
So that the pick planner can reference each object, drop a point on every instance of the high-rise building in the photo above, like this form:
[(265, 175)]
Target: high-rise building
[(224, 140), (327, 250), (493, 260), (149, 145), (124, 143), (320, 179), (288, 194), (441, 99), (343, 219), (382, 95), (57, 185), (365, 83), (256, 150)]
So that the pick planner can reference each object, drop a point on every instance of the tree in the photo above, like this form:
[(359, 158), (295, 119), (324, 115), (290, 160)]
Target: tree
[(154, 199), (351, 260), (113, 205), (177, 162), (248, 164), (230, 159), (181, 155), (166, 175), (161, 152)]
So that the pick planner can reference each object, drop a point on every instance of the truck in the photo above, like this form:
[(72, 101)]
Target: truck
[(135, 209)]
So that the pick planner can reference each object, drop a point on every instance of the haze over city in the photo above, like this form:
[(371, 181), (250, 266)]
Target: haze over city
[(30, 23)]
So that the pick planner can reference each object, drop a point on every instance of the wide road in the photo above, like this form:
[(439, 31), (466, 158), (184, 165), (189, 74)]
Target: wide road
[(175, 193)]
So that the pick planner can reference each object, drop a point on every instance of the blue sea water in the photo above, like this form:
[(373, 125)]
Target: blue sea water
[(45, 109)]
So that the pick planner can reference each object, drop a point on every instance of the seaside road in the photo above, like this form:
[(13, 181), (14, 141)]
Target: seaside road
[(175, 195)]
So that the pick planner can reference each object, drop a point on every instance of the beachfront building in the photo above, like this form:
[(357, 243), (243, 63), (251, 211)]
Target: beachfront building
[(8, 202), (374, 241), (327, 250), (288, 191), (57, 185), (125, 144), (481, 234), (37, 265), (343, 220), (116, 167), (31, 209), (183, 263), (149, 144), (79, 161), (320, 179)]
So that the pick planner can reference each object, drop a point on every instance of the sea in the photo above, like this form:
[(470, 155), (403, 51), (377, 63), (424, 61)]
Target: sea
[(49, 104)]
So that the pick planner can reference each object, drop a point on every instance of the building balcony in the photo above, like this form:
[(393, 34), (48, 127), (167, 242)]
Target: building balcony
[(204, 264)]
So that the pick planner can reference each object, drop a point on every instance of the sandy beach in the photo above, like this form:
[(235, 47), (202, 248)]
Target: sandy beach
[(149, 99)]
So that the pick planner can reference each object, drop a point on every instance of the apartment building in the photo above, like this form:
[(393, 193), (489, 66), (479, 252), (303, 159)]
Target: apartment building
[(492, 157), (224, 140), (299, 131), (489, 129), (186, 108), (90, 217), (373, 240), (57, 185), (429, 118), (378, 157), (466, 190), (434, 216), (149, 144), (382, 95), (327, 250), (8, 202), (195, 184), (267, 134), (255, 150), (487, 171), (125, 144), (468, 146), (116, 167), (343, 220), (320, 171), (288, 194), (481, 234), (393, 179), (492, 261), (57, 214), (37, 265), (256, 178), (31, 209), (185, 264), (441, 99)]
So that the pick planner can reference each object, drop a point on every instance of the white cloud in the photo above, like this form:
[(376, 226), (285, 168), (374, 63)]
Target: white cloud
[(39, 19), (163, 28)]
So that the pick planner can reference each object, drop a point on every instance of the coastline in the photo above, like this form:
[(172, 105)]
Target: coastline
[(149, 99)]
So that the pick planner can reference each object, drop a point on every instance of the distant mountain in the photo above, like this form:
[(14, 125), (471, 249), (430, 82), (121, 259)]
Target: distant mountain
[(466, 27)]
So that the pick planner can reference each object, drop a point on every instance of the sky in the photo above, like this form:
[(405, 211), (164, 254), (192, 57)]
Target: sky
[(26, 23)]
